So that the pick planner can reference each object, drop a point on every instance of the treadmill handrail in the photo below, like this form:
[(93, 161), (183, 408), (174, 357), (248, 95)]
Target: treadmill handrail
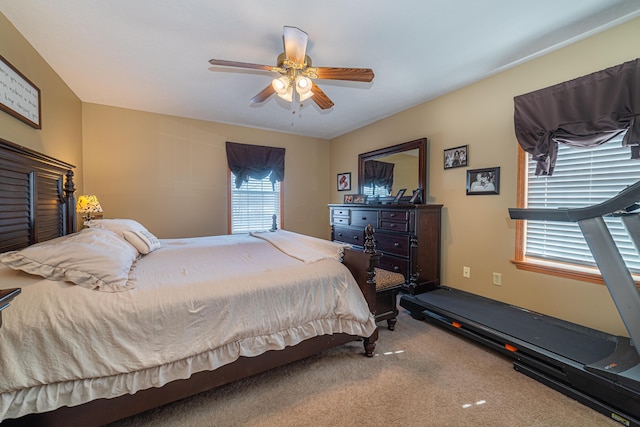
[(621, 201)]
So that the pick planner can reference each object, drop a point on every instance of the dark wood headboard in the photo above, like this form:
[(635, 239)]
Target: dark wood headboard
[(36, 197)]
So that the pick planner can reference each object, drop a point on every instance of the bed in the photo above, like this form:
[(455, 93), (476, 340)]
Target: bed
[(108, 346)]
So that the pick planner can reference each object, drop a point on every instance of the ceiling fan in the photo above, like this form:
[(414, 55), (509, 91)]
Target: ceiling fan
[(297, 74)]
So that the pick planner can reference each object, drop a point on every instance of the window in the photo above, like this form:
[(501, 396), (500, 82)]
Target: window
[(582, 177), (376, 190), (254, 204)]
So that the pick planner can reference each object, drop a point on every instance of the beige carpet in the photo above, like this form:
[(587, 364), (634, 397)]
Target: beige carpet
[(421, 376)]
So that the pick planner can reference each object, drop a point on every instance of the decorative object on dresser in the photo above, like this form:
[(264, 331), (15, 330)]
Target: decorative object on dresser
[(408, 236), (416, 197), (401, 192)]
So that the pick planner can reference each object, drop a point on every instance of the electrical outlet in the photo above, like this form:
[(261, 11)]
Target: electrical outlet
[(466, 272), (497, 279)]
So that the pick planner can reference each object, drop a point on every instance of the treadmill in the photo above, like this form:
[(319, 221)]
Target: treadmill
[(597, 369)]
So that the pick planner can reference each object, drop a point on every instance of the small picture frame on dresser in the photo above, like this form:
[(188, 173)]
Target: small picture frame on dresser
[(360, 199), (416, 197), (401, 192), (348, 198)]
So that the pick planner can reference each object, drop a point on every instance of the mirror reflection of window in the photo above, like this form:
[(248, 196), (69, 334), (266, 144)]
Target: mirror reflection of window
[(403, 170), (378, 178)]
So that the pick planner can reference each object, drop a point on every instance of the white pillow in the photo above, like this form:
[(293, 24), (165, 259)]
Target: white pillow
[(92, 258), (142, 240), (139, 236), (118, 226)]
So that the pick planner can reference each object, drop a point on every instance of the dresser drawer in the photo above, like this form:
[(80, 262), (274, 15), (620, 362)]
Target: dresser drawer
[(348, 235), (396, 244), (340, 212), (394, 225), (362, 218), (397, 265), (340, 220), (395, 215)]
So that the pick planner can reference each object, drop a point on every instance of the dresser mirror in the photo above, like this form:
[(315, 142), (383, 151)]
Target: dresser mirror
[(384, 172)]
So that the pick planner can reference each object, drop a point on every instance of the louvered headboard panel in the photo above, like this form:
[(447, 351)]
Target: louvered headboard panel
[(36, 197)]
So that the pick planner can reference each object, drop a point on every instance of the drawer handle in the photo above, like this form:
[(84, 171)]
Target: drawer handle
[(355, 237), (396, 268), (396, 245), (364, 218), (392, 226), (339, 234), (393, 215)]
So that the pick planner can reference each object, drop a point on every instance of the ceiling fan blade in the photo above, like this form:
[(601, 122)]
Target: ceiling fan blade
[(320, 98), (226, 63), (295, 44), (351, 74), (264, 94)]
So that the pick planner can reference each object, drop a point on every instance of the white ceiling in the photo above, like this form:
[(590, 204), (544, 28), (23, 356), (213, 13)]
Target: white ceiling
[(152, 55)]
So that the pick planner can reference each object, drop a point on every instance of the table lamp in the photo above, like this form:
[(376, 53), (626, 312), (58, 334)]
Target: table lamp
[(87, 205)]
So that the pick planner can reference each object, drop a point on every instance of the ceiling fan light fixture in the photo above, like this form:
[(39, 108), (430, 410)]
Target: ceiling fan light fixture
[(287, 95), (303, 84), (305, 96), (281, 85)]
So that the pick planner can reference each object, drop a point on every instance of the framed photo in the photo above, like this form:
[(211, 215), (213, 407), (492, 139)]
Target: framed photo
[(348, 198), (18, 96), (344, 181), (359, 198), (416, 198), (456, 157), (483, 181), (399, 195)]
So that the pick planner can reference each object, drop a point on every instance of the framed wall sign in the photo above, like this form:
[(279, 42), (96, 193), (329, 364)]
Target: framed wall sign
[(18, 96)]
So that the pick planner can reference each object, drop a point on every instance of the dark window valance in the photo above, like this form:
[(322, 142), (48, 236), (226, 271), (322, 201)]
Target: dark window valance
[(583, 112), (255, 161), (378, 174)]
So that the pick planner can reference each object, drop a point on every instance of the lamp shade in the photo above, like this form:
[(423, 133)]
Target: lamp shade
[(88, 204)]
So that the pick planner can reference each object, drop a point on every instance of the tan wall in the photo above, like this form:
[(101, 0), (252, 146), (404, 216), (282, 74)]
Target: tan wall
[(61, 110), (477, 231), (170, 173)]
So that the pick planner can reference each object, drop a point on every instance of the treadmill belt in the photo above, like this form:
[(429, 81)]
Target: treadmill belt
[(581, 344)]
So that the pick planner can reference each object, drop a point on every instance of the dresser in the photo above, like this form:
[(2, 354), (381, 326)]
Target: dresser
[(408, 236)]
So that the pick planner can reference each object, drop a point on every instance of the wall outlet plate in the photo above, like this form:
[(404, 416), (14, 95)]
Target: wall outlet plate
[(466, 272), (497, 279)]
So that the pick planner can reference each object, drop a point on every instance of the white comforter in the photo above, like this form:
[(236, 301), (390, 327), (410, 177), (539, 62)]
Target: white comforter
[(198, 304)]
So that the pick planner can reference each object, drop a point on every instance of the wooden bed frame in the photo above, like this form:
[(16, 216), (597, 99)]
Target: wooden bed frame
[(37, 203)]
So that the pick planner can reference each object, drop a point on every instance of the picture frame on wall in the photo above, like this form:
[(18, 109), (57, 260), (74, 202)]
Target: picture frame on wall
[(18, 96), (344, 181), (456, 157), (483, 181)]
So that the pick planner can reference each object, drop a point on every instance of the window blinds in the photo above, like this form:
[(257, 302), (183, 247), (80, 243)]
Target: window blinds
[(582, 177), (254, 204)]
